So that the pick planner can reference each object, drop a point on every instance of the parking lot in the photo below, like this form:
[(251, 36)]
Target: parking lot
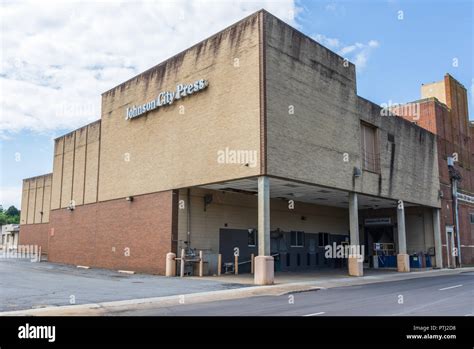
[(26, 285)]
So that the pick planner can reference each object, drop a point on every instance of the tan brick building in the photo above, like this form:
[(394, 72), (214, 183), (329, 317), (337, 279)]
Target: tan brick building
[(253, 138)]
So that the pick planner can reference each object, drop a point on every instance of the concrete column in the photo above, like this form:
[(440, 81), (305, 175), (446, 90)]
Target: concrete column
[(356, 259), (403, 260), (264, 272), (263, 216), (437, 238), (354, 218)]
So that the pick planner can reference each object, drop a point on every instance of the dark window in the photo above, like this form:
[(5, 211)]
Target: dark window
[(252, 238), (288, 260), (308, 259), (297, 239), (298, 259), (472, 217), (370, 154), (391, 138), (323, 239)]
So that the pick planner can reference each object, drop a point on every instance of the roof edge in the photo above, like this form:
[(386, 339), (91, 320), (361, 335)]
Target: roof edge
[(185, 50)]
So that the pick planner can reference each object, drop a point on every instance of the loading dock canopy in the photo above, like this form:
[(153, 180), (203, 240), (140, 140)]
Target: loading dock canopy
[(313, 194)]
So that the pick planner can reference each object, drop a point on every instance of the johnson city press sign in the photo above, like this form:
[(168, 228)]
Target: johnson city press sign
[(166, 98)]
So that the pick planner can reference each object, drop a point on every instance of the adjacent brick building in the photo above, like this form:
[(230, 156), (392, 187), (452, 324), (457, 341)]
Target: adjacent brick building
[(443, 110)]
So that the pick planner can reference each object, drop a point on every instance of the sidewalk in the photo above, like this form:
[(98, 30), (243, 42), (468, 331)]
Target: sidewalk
[(109, 308)]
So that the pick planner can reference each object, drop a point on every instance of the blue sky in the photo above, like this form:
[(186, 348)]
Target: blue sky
[(418, 49), (54, 64)]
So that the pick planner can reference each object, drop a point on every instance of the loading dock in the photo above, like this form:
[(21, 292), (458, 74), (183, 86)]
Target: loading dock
[(300, 235)]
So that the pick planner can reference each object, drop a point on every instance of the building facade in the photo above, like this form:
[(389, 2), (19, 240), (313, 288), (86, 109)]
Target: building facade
[(10, 236), (254, 139)]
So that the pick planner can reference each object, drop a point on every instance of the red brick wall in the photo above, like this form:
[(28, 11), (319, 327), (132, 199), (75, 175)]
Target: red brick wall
[(467, 233), (34, 234), (101, 234)]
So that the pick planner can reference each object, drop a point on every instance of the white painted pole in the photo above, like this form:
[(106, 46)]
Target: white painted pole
[(181, 274), (201, 264)]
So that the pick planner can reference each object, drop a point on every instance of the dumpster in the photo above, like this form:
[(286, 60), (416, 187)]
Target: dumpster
[(391, 261), (415, 261), (383, 261)]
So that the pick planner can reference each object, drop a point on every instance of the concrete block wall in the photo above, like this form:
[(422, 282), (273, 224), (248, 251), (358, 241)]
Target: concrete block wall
[(76, 167), (35, 200), (311, 144), (177, 145)]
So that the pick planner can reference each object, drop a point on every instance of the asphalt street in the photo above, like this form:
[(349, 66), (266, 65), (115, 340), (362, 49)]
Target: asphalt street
[(429, 296)]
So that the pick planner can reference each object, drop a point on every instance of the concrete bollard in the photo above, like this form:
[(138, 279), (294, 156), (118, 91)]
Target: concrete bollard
[(182, 263), (236, 265), (170, 264), (201, 264)]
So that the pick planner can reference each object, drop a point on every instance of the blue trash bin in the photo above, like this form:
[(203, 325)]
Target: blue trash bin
[(428, 261), (391, 261), (415, 261)]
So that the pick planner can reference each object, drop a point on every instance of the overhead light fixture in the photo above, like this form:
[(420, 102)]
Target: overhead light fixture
[(450, 161), (357, 172), (207, 200)]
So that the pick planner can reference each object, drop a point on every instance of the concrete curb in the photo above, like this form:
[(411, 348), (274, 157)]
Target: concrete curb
[(116, 307)]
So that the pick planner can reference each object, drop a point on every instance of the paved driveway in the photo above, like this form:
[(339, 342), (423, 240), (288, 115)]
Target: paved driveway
[(26, 285)]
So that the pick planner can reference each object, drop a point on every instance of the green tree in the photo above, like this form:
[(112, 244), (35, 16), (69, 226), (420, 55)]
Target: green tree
[(12, 211), (9, 216)]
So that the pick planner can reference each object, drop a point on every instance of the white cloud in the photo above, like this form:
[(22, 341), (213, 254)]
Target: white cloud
[(358, 53), (58, 57), (348, 49), (331, 7), (363, 51), (335, 8), (331, 43), (373, 43), (10, 196)]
